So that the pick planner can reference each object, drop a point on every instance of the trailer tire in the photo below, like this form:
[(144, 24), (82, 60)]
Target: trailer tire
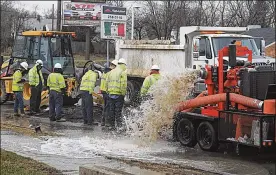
[(207, 137), (186, 133)]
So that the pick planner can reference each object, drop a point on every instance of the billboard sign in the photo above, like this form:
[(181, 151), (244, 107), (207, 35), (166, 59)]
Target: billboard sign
[(90, 1), (81, 14), (113, 22)]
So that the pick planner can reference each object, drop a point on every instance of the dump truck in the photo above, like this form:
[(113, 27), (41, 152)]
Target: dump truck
[(51, 47), (197, 46), (238, 108)]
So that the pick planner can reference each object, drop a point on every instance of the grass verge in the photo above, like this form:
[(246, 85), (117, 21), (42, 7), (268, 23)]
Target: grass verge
[(12, 163)]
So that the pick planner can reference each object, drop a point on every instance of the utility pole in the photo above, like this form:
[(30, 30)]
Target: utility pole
[(59, 15), (53, 16), (132, 22), (87, 44)]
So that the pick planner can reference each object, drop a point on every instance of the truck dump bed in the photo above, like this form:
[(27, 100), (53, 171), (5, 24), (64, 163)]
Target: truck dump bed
[(141, 55)]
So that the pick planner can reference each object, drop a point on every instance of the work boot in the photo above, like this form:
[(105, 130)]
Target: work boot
[(22, 113), (52, 119), (31, 113), (16, 114), (38, 112), (61, 120)]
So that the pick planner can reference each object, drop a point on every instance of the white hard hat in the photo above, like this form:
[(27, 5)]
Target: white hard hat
[(39, 62), (122, 61), (155, 67), (24, 65), (115, 62), (57, 65)]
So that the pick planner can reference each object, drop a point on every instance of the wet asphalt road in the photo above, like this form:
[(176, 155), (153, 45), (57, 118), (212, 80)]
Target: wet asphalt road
[(82, 145)]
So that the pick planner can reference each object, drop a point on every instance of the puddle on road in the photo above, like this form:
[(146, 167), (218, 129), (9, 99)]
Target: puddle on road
[(84, 147)]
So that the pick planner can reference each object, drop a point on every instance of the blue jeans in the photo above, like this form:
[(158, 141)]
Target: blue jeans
[(18, 102), (106, 106), (87, 107), (55, 105), (115, 110)]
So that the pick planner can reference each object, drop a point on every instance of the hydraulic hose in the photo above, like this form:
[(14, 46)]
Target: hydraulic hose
[(202, 94), (213, 99)]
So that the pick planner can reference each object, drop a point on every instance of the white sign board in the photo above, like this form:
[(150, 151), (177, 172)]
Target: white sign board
[(113, 22)]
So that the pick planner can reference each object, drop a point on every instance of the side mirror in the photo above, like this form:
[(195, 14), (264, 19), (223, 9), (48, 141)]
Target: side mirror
[(196, 48), (208, 50), (263, 47)]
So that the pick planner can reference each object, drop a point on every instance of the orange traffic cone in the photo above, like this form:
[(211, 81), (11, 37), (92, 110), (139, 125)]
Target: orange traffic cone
[(238, 129)]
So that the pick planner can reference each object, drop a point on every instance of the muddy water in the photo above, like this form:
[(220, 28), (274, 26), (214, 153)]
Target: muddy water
[(154, 117), (79, 147)]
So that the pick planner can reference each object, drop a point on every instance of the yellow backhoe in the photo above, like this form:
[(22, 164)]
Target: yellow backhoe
[(51, 47)]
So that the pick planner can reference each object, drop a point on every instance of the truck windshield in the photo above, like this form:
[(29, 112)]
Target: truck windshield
[(220, 42)]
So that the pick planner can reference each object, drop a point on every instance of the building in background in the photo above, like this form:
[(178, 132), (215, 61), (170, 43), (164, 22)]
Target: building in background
[(268, 34)]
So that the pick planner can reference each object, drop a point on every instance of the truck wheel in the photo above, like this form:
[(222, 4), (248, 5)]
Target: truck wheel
[(186, 132), (3, 94), (132, 93), (207, 137)]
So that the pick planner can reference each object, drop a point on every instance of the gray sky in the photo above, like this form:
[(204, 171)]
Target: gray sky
[(44, 5)]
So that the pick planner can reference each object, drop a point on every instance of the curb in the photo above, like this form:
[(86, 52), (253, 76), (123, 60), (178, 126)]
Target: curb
[(100, 170)]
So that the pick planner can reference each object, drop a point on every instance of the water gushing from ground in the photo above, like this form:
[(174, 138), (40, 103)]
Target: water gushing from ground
[(154, 117)]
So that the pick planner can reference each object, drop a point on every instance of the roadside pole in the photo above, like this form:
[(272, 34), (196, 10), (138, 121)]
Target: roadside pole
[(107, 53), (87, 44), (53, 16), (59, 15)]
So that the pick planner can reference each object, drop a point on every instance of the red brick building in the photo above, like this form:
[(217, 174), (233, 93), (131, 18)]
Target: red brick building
[(270, 50)]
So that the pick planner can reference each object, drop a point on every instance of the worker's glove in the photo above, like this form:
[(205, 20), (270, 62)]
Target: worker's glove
[(21, 81), (44, 88), (63, 91)]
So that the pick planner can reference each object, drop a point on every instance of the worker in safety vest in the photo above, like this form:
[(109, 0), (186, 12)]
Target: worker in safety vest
[(116, 86), (150, 80), (87, 88), (56, 85), (111, 66), (37, 82), (17, 88)]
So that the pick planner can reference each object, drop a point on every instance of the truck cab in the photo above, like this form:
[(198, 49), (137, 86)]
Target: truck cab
[(203, 44)]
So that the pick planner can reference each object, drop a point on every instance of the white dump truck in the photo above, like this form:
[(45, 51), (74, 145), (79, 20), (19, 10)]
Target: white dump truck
[(197, 46)]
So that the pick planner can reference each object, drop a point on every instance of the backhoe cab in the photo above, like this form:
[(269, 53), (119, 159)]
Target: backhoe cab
[(49, 46)]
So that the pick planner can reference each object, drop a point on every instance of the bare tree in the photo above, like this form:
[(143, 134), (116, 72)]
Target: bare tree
[(116, 3), (47, 13), (13, 20)]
